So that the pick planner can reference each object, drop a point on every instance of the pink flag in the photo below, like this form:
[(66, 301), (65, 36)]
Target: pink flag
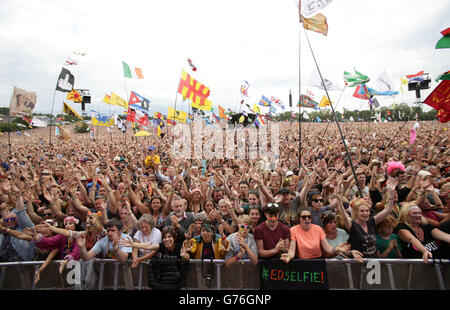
[(412, 136)]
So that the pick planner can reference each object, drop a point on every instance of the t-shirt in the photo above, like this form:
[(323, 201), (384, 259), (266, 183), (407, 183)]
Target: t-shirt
[(270, 237), (105, 248), (151, 161), (308, 241), (341, 237), (409, 251), (154, 238), (445, 247), (362, 241), (383, 244)]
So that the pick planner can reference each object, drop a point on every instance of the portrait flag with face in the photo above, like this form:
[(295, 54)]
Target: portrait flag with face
[(22, 103)]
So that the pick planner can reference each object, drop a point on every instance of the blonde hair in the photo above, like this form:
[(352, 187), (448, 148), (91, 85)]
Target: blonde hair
[(355, 204), (389, 221), (404, 212)]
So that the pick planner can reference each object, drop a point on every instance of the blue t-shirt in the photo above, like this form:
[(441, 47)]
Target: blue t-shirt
[(104, 247)]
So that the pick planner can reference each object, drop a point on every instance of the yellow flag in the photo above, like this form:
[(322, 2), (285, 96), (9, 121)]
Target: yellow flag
[(241, 119), (176, 115), (205, 105), (256, 108), (324, 102), (102, 121), (403, 82), (117, 100), (107, 99), (317, 23), (68, 110)]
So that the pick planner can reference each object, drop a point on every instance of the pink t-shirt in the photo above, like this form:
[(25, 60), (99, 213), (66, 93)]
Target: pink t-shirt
[(308, 242)]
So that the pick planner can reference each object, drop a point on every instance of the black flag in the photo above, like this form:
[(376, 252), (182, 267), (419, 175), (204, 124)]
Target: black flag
[(290, 99), (66, 81)]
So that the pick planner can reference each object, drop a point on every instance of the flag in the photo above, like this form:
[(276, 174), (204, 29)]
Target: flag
[(66, 81), (305, 115), (416, 77), (383, 82), (317, 23), (35, 122), (117, 100), (256, 109), (316, 81), (195, 91), (68, 110), (307, 102), (222, 113), (318, 119), (361, 92), (79, 53), (107, 99), (373, 92), (265, 102), (57, 133), (74, 96), (131, 72), (439, 100), (22, 103), (412, 136), (277, 102), (443, 76), (135, 98), (192, 65), (21, 125), (99, 119), (375, 103), (444, 42), (71, 62), (324, 102), (260, 119), (244, 90), (311, 6), (137, 114), (241, 119), (121, 125), (355, 79), (176, 115), (171, 122), (215, 117), (403, 82), (272, 110)]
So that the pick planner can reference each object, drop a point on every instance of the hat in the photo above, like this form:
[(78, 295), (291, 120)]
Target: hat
[(117, 158), (289, 173), (151, 148), (423, 173), (284, 190)]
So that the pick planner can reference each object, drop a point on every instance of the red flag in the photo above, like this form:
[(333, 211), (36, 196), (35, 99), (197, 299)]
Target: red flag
[(133, 99), (439, 99), (414, 75)]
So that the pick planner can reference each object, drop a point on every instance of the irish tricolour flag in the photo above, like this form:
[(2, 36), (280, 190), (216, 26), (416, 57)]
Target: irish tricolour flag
[(132, 72)]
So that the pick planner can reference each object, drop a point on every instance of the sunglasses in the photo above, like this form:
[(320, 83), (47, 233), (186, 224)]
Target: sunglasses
[(243, 226), (306, 217), (11, 219), (270, 205), (318, 200), (47, 214)]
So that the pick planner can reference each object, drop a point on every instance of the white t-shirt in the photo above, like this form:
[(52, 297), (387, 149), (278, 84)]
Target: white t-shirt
[(155, 237), (104, 247), (341, 237)]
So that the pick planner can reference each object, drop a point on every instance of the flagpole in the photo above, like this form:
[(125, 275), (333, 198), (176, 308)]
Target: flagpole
[(335, 107), (335, 118), (299, 95), (173, 127), (51, 117)]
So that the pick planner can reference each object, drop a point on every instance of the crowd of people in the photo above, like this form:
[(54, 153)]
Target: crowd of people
[(134, 200)]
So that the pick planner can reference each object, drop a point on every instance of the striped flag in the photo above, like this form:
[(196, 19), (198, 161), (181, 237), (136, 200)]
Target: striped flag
[(265, 102), (216, 118), (195, 91), (416, 77), (131, 72)]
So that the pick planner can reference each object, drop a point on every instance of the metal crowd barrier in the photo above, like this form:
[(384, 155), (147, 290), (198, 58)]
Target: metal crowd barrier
[(343, 274)]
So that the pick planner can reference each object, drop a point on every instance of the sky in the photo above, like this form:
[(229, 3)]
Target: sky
[(260, 41)]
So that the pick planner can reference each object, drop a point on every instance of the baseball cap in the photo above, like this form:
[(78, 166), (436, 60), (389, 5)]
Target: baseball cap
[(284, 190), (289, 173), (151, 148), (423, 173), (117, 158)]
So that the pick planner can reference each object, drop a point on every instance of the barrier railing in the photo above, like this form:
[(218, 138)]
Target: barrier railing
[(100, 274)]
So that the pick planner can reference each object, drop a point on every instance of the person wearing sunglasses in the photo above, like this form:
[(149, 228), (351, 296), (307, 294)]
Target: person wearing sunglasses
[(309, 241), (317, 208), (272, 236), (242, 244)]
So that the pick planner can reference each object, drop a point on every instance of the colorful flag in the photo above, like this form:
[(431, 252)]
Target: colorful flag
[(244, 90), (317, 23), (416, 77), (216, 118), (176, 115), (99, 119), (444, 42), (307, 102), (121, 125), (355, 79), (74, 96), (195, 91), (309, 7), (66, 81), (361, 92), (68, 110), (71, 62), (222, 113), (107, 99), (256, 109), (22, 103), (439, 100), (117, 100), (265, 102), (131, 72), (135, 98), (171, 122)]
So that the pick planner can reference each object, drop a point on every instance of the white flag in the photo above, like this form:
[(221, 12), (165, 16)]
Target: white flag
[(311, 6), (383, 82), (314, 80)]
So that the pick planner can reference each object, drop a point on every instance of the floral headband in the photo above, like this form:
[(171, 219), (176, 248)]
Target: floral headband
[(99, 213), (71, 218)]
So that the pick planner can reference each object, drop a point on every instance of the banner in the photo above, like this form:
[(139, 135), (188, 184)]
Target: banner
[(99, 119), (22, 103), (117, 100), (298, 274), (195, 91), (438, 99), (68, 110), (176, 115), (66, 81)]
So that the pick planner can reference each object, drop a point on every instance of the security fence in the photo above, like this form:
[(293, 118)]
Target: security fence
[(343, 274)]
